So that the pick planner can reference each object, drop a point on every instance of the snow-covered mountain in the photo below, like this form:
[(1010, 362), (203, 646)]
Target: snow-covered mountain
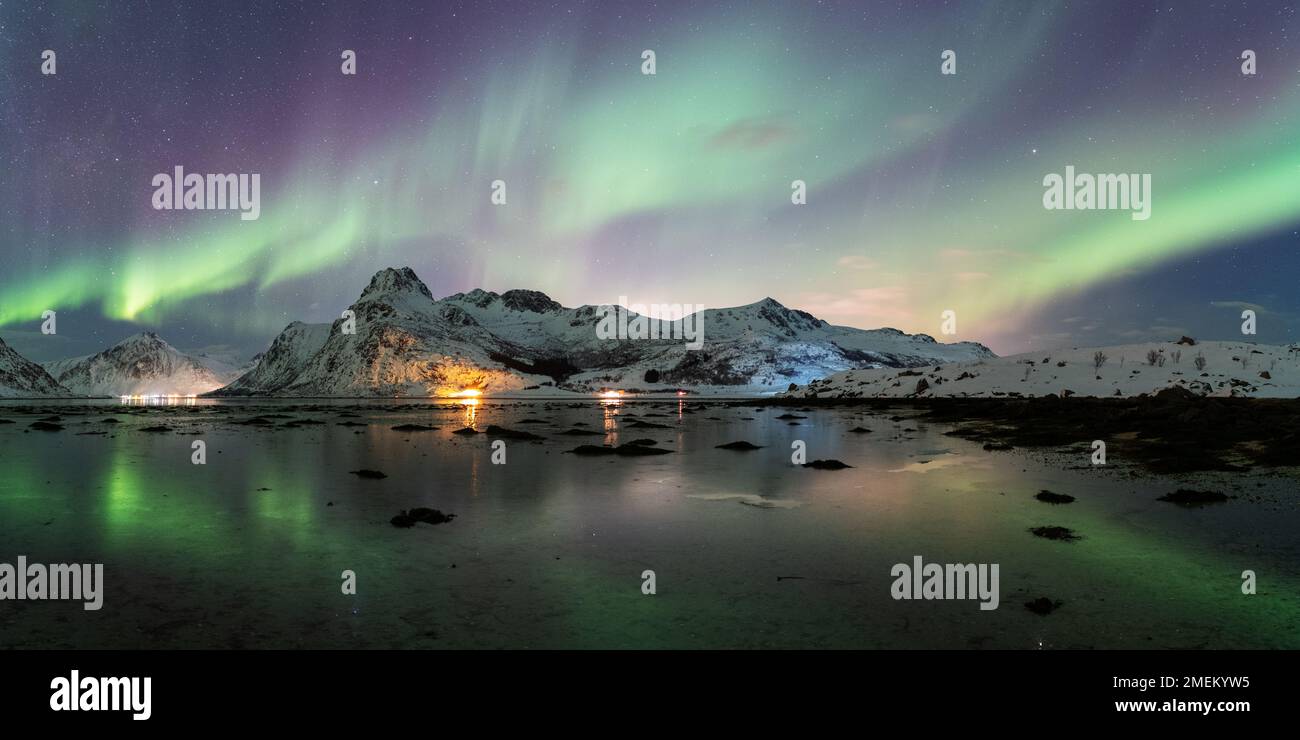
[(282, 362), (223, 360), (406, 343), (1204, 368), (142, 365), (22, 378)]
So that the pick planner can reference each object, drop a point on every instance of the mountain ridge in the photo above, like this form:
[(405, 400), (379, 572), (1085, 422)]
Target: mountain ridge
[(22, 378), (143, 364), (407, 343)]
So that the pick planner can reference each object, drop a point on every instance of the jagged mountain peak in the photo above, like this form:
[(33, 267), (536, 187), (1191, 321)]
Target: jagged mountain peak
[(789, 320), (21, 378), (395, 280), (147, 338), (142, 364), (138, 345), (529, 300), (478, 297), (533, 301)]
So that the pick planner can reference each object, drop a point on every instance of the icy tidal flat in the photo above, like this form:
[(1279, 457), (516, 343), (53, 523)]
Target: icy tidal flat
[(547, 550)]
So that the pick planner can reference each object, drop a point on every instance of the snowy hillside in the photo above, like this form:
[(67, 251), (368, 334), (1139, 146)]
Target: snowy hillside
[(1205, 368), (282, 362), (22, 378), (758, 348), (226, 362), (409, 344), (142, 365)]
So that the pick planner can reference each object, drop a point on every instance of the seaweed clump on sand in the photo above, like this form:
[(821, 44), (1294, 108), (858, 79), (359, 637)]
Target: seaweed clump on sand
[(1042, 606), (1053, 532), (405, 519), (1188, 497), (1048, 497), (827, 465), (495, 431), (741, 446)]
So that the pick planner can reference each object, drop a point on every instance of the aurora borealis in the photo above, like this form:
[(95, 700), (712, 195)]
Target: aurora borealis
[(924, 190)]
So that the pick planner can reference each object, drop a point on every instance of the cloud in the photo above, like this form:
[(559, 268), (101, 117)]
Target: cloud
[(864, 307), (957, 253), (1240, 305), (751, 133)]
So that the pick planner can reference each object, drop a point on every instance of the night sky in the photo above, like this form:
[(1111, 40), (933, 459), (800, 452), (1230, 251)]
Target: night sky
[(924, 190)]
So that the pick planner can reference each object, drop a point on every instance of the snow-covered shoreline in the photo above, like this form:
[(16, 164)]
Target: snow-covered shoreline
[(1232, 368)]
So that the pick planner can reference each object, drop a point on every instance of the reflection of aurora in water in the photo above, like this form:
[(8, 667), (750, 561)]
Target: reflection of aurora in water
[(543, 546)]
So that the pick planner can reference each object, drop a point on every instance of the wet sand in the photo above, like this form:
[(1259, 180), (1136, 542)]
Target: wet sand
[(547, 550)]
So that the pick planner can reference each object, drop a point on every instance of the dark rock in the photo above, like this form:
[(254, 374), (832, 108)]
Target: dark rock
[(1042, 606), (1064, 534), (742, 445), (1054, 498), (371, 474), (826, 465), (428, 516), (495, 431), (1188, 497), (627, 450)]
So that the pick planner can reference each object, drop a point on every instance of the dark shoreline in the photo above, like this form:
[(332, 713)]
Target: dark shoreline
[(1173, 431)]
